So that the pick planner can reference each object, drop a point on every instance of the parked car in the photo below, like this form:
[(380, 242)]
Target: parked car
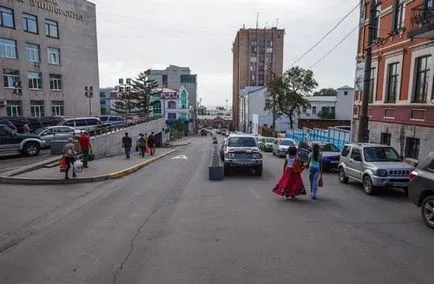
[(8, 123), (50, 120), (113, 120), (222, 149), (56, 133), (241, 151), (267, 144), (81, 123), (330, 153), (375, 166), (14, 143), (421, 189), (34, 123), (18, 122), (203, 132), (280, 147)]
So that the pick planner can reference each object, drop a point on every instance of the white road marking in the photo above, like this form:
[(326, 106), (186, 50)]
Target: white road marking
[(180, 157), (255, 194)]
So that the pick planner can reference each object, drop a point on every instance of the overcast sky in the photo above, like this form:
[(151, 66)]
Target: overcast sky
[(134, 35)]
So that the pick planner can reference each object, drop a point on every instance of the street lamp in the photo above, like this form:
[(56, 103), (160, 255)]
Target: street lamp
[(88, 93), (124, 89)]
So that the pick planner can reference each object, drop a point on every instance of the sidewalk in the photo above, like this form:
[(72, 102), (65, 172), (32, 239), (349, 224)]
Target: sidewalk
[(98, 170)]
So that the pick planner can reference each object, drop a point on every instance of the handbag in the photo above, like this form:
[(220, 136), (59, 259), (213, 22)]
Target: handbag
[(297, 168), (320, 182), (62, 165), (91, 156)]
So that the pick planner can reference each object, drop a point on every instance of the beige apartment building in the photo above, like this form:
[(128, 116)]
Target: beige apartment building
[(257, 53), (48, 55)]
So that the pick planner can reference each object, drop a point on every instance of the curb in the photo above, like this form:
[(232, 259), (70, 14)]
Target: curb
[(115, 175), (178, 145)]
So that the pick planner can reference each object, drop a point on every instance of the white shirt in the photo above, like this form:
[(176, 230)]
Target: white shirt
[(290, 161)]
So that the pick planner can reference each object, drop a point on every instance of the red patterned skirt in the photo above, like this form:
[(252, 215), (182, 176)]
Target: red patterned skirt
[(290, 184)]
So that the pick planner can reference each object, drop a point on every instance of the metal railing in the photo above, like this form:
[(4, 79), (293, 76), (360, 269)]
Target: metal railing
[(420, 16)]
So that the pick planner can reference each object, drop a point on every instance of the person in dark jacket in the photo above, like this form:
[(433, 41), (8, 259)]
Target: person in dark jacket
[(152, 142), (127, 143)]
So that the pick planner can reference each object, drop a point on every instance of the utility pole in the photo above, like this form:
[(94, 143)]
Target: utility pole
[(363, 134)]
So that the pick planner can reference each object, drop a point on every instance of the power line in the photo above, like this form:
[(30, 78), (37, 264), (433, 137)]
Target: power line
[(329, 32), (336, 46)]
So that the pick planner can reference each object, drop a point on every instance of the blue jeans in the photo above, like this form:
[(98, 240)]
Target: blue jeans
[(127, 152), (314, 180)]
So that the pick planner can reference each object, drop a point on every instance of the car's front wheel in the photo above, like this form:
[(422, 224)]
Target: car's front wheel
[(428, 211), (227, 170), (258, 171), (342, 176), (368, 186), (31, 149)]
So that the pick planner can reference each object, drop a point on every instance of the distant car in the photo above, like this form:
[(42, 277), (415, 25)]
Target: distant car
[(114, 120), (330, 153), (375, 166), (421, 189), (280, 147), (56, 133), (203, 132), (267, 144), (82, 123), (241, 151)]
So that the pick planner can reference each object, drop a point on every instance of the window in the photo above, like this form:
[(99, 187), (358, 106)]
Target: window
[(385, 138), (376, 25), (346, 151), (345, 93), (171, 116), (372, 85), (381, 154), (33, 52), (8, 48), (242, 142), (356, 155), (13, 108), (57, 108), (267, 103), (35, 80), (392, 82), (333, 109), (55, 82), (4, 131), (37, 108), (171, 105), (156, 108), (398, 20), (10, 77), (165, 81), (7, 18), (314, 110), (188, 78), (421, 79), (412, 146), (54, 56), (51, 29), (30, 23)]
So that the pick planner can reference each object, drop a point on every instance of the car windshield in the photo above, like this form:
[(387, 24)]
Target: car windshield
[(269, 140), (381, 154), (39, 131), (287, 143), (242, 142), (329, 148)]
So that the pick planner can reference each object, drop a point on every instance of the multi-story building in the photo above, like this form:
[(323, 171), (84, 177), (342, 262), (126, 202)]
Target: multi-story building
[(48, 54), (173, 104), (174, 77), (106, 101), (257, 54), (401, 101)]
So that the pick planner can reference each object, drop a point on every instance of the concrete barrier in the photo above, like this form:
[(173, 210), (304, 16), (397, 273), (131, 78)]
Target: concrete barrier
[(215, 169)]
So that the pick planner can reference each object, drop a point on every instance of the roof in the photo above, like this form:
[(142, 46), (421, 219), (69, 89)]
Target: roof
[(322, 98), (345, 87)]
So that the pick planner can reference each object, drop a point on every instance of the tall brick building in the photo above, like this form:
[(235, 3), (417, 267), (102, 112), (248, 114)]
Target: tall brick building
[(255, 52), (401, 109)]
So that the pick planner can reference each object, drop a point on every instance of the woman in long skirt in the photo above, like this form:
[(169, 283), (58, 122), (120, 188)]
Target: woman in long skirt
[(290, 183)]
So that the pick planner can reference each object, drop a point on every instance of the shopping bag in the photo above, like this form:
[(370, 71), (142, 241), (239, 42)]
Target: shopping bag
[(147, 149), (78, 166), (91, 156), (62, 165), (320, 182)]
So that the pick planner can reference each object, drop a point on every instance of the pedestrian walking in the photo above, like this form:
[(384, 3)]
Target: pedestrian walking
[(127, 143), (141, 144), (152, 143), (291, 184), (26, 128), (315, 170), (86, 147), (70, 156)]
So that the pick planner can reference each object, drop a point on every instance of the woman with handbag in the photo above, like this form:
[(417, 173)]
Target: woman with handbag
[(70, 157), (315, 170), (291, 183)]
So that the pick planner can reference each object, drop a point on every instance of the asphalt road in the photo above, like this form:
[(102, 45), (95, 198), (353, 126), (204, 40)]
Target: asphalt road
[(169, 224), (12, 162)]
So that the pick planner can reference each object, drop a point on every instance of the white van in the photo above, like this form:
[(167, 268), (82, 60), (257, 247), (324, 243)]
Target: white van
[(81, 123)]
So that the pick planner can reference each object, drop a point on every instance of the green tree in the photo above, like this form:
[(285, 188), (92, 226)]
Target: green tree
[(144, 88), (289, 93), (326, 113), (178, 125), (125, 103), (325, 92)]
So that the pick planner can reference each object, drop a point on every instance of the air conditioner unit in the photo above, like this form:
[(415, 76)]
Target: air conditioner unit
[(2, 103)]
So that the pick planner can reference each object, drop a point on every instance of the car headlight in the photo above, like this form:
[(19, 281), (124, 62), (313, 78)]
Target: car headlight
[(382, 173), (231, 155), (257, 156)]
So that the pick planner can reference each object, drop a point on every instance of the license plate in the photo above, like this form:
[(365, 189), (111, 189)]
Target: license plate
[(334, 162), (400, 184)]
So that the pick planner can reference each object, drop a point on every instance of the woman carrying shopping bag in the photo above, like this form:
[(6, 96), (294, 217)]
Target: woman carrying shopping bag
[(290, 183), (315, 170), (70, 156)]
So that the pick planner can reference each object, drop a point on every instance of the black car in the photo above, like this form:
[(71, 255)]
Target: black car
[(8, 123), (421, 189)]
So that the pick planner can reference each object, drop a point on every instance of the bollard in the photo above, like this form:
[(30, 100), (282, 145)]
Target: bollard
[(215, 169)]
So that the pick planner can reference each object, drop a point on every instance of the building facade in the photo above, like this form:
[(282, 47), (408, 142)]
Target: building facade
[(257, 54), (401, 101), (173, 104), (48, 53)]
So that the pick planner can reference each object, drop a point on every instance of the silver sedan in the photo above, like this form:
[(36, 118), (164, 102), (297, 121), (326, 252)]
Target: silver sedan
[(56, 133)]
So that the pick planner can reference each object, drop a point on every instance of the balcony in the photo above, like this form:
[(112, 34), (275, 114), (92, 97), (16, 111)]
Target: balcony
[(422, 22)]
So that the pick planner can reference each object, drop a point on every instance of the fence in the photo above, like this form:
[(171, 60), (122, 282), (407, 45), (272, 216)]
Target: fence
[(338, 137)]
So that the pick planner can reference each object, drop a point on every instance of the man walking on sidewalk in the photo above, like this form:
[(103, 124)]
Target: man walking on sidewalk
[(86, 147), (151, 143), (127, 142)]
